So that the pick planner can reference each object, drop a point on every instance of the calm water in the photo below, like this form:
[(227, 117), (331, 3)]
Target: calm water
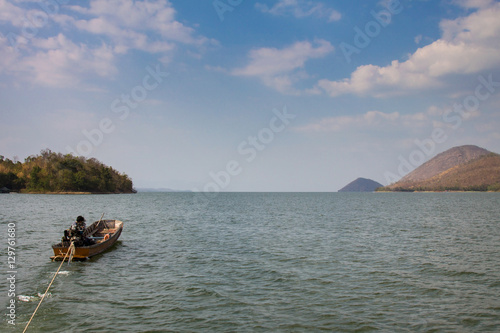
[(253, 262)]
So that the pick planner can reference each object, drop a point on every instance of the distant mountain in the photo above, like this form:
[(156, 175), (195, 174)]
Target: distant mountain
[(444, 161), (464, 168), (361, 185)]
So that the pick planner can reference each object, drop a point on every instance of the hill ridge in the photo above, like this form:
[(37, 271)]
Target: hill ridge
[(443, 161), (462, 168)]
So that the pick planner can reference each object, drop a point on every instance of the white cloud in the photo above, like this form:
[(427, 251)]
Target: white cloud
[(434, 110), (99, 32), (56, 61), (8, 53), (147, 26), (468, 45), (281, 68), (61, 62), (371, 119), (474, 3), (301, 9), (11, 14)]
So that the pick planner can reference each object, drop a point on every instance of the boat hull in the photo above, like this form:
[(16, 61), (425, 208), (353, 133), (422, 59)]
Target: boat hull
[(113, 228)]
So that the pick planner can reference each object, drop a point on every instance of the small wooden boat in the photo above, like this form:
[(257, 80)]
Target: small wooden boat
[(104, 232)]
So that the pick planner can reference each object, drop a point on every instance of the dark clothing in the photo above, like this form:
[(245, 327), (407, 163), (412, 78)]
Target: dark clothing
[(75, 234), (78, 228)]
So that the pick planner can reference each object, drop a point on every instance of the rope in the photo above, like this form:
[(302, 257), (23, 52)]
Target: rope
[(71, 249)]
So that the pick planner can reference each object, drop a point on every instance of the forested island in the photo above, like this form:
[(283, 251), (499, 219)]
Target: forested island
[(51, 172)]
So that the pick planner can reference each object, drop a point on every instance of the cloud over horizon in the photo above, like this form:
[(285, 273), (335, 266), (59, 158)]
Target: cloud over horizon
[(281, 68), (468, 45), (369, 120), (300, 9)]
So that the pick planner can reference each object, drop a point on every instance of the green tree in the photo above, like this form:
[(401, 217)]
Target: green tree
[(34, 182), (51, 171)]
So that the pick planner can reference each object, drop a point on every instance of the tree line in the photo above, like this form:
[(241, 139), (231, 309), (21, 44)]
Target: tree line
[(55, 172)]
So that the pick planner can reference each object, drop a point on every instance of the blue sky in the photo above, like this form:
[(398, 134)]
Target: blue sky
[(236, 95)]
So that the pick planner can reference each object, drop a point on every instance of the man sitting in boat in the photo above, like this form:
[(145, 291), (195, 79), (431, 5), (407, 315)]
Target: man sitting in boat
[(75, 233)]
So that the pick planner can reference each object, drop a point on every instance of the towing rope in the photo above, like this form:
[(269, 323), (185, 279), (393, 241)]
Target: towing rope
[(70, 252)]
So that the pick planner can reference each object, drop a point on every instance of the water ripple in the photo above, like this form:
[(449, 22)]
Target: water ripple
[(267, 263)]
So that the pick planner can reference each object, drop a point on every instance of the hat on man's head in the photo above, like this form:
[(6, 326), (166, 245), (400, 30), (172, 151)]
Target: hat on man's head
[(80, 219)]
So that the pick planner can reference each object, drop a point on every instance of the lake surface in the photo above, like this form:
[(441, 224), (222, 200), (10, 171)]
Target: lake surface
[(261, 262)]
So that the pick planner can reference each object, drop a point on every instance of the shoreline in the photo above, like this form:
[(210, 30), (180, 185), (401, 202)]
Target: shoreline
[(71, 193), (409, 191)]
